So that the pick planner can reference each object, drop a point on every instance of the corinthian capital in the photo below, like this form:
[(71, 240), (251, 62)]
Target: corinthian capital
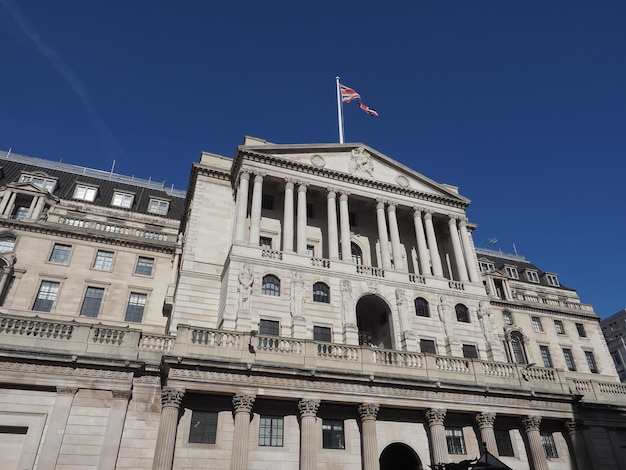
[(368, 410), (243, 403), (435, 416), (531, 423), (485, 420), (172, 396), (308, 408)]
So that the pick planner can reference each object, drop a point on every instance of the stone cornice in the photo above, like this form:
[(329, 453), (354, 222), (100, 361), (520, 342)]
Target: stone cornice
[(341, 176), (515, 305)]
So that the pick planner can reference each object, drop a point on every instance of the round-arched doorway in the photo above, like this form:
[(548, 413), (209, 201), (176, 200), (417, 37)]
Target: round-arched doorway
[(398, 456), (373, 318)]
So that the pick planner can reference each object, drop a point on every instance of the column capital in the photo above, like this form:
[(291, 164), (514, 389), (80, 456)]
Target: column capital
[(531, 423), (331, 192), (462, 221), (452, 219), (258, 175), (343, 195), (435, 416), (244, 173), (485, 420), (66, 390), (308, 408), (428, 214), (289, 183), (172, 396), (302, 185), (417, 211), (380, 203), (573, 425), (243, 403), (391, 206), (368, 411)]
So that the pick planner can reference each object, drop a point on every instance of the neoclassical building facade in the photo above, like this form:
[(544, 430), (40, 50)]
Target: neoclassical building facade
[(315, 306)]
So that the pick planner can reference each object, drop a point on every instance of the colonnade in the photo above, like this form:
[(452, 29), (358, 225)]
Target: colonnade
[(309, 440), (338, 234), (36, 206)]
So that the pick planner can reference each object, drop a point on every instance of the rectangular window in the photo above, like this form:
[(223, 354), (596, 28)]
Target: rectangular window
[(503, 442), (511, 272), (157, 206), (537, 324), (532, 276), (591, 362), (569, 359), (552, 280), (135, 307), (92, 302), (271, 431), (549, 445), (124, 200), (85, 193), (60, 253), (455, 441), (269, 327), (265, 243), (560, 329), (332, 434), (47, 294), (103, 261), (310, 250), (428, 346), (545, 356), (322, 333), (21, 212), (486, 267), (507, 317), (40, 182), (144, 266), (203, 429), (470, 351), (617, 359), (581, 330)]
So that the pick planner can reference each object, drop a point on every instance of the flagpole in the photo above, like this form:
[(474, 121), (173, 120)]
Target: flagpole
[(339, 111)]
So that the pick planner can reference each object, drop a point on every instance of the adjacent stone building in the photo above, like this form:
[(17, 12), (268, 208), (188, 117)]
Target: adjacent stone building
[(614, 329), (304, 307)]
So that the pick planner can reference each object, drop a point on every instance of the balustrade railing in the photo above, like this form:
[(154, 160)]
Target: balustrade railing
[(417, 278), (278, 344), (158, 343), (271, 254), (397, 358), (320, 262), (370, 271), (107, 335), (36, 328), (457, 285), (451, 364)]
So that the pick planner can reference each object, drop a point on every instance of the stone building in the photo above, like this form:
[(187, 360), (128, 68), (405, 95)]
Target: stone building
[(323, 307), (614, 329)]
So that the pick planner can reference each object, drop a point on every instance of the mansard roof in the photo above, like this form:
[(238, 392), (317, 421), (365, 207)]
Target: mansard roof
[(68, 176)]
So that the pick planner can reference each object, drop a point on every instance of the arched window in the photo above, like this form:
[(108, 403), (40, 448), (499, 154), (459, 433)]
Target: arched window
[(357, 254), (422, 308), (7, 243), (271, 285), (462, 313), (517, 348), (321, 293)]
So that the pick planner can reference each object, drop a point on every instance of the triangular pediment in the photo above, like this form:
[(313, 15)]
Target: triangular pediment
[(354, 160)]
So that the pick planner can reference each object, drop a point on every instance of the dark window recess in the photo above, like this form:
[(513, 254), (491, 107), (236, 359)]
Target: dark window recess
[(203, 429), (321, 293), (332, 434), (322, 333), (503, 442), (428, 346), (267, 202), (462, 313), (271, 285), (269, 327), (352, 219), (470, 351), (422, 308), (310, 210), (499, 288)]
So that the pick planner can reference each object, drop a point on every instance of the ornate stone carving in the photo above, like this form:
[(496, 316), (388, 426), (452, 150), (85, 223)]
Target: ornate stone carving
[(318, 161), (246, 279), (435, 416), (298, 288), (61, 370), (67, 390), (148, 379), (391, 206), (243, 403), (484, 316), (172, 396), (289, 183), (368, 410), (302, 185), (485, 420), (361, 162), (343, 195), (347, 303), (572, 426), (402, 181), (531, 423), (417, 211), (331, 192), (403, 309), (308, 408), (444, 308)]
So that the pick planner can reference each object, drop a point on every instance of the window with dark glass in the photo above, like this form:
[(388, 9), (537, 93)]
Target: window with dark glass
[(270, 285), (591, 362), (310, 210), (60, 253), (558, 326), (503, 442), (545, 356), (507, 317), (135, 307), (569, 359), (310, 250), (470, 351), (455, 441), (321, 292), (46, 295), (617, 359), (352, 219), (271, 431), (547, 439), (462, 313), (357, 254), (517, 349), (581, 330), (537, 326), (499, 285), (322, 333), (422, 309), (267, 202), (144, 266), (269, 327), (332, 434), (92, 302), (428, 346), (265, 242), (203, 428)]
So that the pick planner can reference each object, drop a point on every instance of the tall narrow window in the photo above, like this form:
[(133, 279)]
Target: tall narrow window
[(547, 439), (545, 356), (47, 294), (591, 362), (144, 266), (332, 434), (203, 429), (271, 431), (507, 317), (357, 254), (558, 326), (462, 313), (537, 326), (503, 442), (135, 307), (60, 253), (517, 349), (569, 359), (271, 285), (321, 292), (455, 441), (581, 330), (422, 308), (103, 261), (92, 302)]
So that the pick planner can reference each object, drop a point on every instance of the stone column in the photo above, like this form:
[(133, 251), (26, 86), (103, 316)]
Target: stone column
[(344, 226), (39, 208), (467, 250), (382, 233), (308, 434), (255, 211), (115, 427), (578, 449), (435, 259), (422, 249), (369, 442), (32, 206), (56, 428), (243, 408), (301, 230), (438, 445), (288, 217), (171, 398), (9, 207), (333, 231), (485, 425), (537, 453), (5, 201), (395, 238), (242, 206), (458, 252)]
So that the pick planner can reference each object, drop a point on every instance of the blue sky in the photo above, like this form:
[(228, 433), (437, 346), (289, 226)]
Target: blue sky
[(521, 104)]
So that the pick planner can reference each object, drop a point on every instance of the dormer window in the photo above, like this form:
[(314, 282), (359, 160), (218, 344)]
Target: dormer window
[(511, 271), (532, 276), (552, 280), (121, 199), (42, 182), (85, 193), (486, 266), (158, 206)]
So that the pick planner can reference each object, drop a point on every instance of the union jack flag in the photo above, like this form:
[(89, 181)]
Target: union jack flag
[(348, 94)]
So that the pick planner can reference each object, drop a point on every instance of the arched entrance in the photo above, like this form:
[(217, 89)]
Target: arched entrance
[(373, 318), (398, 456)]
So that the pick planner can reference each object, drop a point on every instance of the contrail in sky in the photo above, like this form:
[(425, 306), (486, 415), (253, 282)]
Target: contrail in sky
[(111, 147)]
